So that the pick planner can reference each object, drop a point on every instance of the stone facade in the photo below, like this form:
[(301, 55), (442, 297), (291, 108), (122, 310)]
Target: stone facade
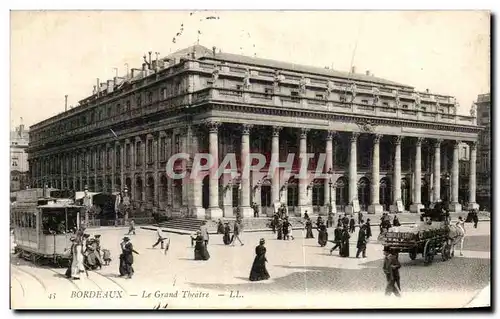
[(384, 142), (484, 150)]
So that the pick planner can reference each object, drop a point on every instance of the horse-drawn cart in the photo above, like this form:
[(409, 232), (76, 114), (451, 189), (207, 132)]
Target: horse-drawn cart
[(426, 239)]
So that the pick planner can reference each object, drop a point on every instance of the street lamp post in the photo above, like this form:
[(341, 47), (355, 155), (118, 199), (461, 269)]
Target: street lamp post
[(330, 183)]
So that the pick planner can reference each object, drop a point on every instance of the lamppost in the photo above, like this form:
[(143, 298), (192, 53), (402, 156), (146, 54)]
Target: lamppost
[(330, 183)]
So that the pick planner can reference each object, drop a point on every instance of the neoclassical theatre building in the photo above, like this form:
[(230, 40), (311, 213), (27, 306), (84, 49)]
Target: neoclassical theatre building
[(388, 147)]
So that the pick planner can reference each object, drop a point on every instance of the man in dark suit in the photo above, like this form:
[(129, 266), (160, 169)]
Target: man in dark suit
[(337, 233), (128, 257), (391, 270), (362, 240)]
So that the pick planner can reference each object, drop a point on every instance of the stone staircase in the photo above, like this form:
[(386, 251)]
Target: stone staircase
[(184, 224)]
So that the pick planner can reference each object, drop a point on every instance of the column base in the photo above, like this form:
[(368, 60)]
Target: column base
[(394, 209), (455, 207), (228, 211), (198, 212), (214, 213), (415, 208), (375, 209), (246, 212), (349, 209), (327, 211), (473, 206)]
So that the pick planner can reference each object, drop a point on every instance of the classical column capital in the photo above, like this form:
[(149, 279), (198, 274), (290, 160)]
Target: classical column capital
[(330, 135), (377, 138), (246, 128), (456, 144), (354, 136), (437, 142), (473, 145), (398, 139), (277, 130), (419, 141), (303, 132), (213, 127)]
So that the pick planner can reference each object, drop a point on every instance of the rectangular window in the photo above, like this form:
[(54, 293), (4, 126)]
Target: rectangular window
[(150, 151), (128, 155), (295, 96), (364, 101), (163, 153), (139, 100), (100, 158), (320, 96), (405, 106), (150, 97), (138, 157), (127, 106), (385, 104)]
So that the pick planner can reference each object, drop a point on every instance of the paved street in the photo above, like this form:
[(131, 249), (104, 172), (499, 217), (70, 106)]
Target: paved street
[(305, 272)]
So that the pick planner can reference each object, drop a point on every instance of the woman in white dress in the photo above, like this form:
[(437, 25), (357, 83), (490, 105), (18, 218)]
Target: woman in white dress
[(461, 225), (77, 266)]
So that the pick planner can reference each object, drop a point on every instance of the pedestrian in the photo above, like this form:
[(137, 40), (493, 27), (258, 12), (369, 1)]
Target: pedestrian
[(131, 228), (200, 248), (352, 225), (395, 221), (360, 218), (309, 227), (322, 235), (127, 258), (259, 271), (236, 233), (220, 227), (274, 222), (362, 240), (344, 246), (337, 238), (204, 232), (391, 270), (287, 230), (329, 222), (339, 222), (76, 266), (306, 215), (160, 238), (368, 229), (345, 221), (279, 229), (255, 208), (227, 234), (475, 218)]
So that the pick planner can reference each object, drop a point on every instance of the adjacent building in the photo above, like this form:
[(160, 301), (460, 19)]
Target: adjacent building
[(19, 175), (484, 151), (387, 146)]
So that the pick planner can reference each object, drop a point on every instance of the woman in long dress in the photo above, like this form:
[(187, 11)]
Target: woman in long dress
[(77, 266), (200, 249), (227, 234), (322, 235), (344, 244), (309, 228), (280, 229), (259, 271)]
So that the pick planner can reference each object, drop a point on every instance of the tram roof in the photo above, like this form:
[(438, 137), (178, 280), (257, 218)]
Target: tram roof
[(60, 205)]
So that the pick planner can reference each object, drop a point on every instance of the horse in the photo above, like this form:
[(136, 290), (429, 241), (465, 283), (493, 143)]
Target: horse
[(456, 235)]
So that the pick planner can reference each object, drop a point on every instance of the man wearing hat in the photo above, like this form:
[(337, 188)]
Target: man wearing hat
[(391, 271)]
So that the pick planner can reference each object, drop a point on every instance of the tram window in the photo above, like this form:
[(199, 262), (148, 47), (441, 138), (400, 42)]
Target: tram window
[(54, 223)]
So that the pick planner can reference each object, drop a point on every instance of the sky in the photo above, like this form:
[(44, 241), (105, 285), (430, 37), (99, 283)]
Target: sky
[(54, 53)]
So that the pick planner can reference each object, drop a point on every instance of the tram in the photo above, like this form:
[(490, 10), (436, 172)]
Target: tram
[(42, 229)]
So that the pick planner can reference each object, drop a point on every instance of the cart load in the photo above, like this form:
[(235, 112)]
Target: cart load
[(426, 238)]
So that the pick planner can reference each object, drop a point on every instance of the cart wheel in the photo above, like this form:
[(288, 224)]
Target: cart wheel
[(413, 254), (428, 253)]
